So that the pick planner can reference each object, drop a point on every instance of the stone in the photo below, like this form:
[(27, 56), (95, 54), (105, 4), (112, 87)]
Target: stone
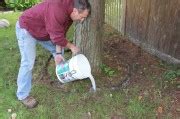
[(4, 23)]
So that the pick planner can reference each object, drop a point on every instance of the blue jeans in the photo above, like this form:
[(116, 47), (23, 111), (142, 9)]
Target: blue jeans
[(27, 46)]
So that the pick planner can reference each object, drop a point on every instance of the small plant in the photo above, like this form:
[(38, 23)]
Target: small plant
[(171, 74), (107, 70)]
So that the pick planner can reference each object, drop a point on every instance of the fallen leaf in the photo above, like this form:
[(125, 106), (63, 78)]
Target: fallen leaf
[(178, 86), (160, 110), (9, 110), (140, 97), (178, 109), (13, 116), (89, 114)]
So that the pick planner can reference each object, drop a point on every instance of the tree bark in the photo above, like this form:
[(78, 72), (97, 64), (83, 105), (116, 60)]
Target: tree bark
[(88, 35)]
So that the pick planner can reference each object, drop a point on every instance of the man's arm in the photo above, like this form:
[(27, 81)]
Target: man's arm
[(58, 49), (58, 56)]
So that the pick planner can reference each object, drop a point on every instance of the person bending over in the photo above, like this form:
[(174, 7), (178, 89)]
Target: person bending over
[(45, 23)]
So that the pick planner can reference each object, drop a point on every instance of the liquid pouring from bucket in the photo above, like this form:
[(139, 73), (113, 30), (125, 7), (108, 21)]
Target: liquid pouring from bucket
[(76, 68)]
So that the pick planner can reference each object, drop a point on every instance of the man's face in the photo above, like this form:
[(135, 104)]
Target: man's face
[(79, 16)]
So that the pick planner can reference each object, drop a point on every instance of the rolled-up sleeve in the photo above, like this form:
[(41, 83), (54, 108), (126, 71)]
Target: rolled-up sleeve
[(55, 19)]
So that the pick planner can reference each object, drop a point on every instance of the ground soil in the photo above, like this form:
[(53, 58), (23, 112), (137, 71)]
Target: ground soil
[(136, 66)]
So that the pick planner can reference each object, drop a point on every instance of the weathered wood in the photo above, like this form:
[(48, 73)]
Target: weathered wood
[(113, 11), (122, 15), (88, 35), (155, 25)]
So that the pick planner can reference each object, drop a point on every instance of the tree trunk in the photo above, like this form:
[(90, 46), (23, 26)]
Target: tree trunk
[(88, 35)]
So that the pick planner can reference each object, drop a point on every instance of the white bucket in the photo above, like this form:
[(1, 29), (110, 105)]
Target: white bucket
[(76, 68)]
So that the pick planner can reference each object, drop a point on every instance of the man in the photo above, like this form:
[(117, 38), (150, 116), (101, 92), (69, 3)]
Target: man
[(46, 24)]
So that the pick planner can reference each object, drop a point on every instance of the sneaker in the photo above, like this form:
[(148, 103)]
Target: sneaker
[(29, 102)]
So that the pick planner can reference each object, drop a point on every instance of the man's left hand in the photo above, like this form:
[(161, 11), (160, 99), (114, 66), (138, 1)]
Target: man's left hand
[(58, 59)]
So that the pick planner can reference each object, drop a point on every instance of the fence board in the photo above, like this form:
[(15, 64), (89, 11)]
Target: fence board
[(113, 13)]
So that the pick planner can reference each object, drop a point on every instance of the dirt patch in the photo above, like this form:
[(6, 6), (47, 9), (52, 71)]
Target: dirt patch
[(130, 60), (138, 68)]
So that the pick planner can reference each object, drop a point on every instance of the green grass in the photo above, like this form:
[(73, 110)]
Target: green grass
[(74, 103)]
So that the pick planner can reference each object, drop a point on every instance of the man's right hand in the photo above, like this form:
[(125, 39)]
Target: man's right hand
[(74, 49)]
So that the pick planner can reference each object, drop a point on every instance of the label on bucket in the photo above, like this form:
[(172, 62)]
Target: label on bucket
[(64, 72)]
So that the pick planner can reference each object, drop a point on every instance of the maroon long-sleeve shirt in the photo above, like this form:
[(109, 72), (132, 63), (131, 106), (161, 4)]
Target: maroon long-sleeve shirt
[(49, 20)]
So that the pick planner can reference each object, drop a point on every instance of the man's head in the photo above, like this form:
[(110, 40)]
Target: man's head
[(81, 10)]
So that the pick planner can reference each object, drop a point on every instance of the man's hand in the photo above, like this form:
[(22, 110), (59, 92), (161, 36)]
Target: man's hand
[(58, 59), (73, 48)]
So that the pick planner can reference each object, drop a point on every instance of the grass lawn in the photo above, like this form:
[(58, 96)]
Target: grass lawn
[(75, 101)]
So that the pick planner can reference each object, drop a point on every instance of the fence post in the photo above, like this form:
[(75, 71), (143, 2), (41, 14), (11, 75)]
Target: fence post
[(123, 16)]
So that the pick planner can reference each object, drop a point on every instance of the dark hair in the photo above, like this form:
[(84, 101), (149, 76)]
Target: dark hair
[(82, 5)]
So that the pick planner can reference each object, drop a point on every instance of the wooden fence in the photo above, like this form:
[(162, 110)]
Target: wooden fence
[(152, 24), (112, 13)]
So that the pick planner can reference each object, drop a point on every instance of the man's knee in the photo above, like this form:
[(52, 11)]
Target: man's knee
[(28, 65)]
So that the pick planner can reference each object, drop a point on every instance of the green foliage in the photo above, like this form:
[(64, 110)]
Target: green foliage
[(171, 74), (107, 70), (21, 4), (178, 73)]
